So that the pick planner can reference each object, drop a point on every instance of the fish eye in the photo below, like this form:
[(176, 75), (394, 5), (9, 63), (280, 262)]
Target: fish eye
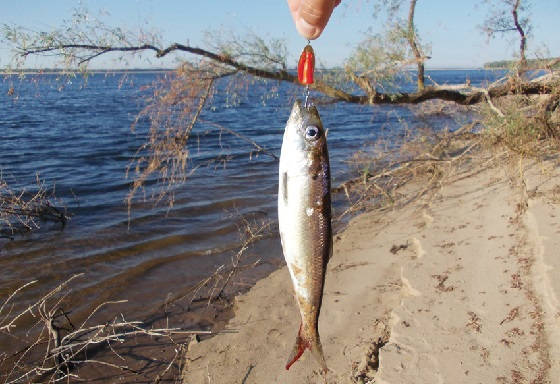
[(312, 132)]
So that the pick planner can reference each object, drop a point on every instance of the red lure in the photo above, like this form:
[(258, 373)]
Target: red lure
[(306, 65)]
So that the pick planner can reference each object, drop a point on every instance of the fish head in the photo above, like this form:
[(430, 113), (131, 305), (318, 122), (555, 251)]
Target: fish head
[(304, 136)]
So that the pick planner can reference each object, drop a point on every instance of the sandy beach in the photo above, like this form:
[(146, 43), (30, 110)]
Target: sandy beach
[(457, 286)]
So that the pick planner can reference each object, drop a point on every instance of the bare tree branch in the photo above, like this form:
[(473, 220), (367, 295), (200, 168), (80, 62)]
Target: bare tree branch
[(411, 37), (59, 347), (505, 18), (463, 98), (523, 37)]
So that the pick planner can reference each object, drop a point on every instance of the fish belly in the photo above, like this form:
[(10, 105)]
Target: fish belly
[(295, 225)]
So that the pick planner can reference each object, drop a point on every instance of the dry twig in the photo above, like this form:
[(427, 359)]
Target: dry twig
[(59, 347), (379, 186), (22, 211)]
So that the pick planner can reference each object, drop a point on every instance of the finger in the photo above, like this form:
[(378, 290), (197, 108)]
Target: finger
[(294, 8), (313, 15)]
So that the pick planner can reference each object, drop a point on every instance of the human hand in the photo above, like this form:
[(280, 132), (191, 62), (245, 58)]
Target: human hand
[(311, 16)]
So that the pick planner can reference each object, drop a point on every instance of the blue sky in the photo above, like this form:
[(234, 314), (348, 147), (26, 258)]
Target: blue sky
[(451, 27)]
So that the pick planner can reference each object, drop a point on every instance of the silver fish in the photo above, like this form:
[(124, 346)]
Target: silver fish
[(304, 215)]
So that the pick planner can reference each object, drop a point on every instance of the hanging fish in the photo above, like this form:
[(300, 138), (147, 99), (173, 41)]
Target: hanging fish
[(304, 215)]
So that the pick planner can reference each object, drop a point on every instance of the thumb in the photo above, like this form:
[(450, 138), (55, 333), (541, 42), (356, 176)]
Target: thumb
[(312, 16)]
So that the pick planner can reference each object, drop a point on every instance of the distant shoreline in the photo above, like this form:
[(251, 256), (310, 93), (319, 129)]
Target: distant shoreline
[(532, 64), (91, 72), (166, 70)]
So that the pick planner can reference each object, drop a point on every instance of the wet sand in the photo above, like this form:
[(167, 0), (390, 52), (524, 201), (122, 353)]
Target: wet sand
[(458, 286)]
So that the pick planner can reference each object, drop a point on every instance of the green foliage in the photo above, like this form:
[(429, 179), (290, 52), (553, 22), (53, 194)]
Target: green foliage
[(380, 58), (513, 129), (527, 122), (379, 50)]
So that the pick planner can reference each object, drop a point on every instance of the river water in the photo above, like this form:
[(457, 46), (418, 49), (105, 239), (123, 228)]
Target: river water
[(79, 141)]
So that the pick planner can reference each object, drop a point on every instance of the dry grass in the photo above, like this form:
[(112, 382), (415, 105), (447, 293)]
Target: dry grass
[(508, 127), (524, 124), (393, 177)]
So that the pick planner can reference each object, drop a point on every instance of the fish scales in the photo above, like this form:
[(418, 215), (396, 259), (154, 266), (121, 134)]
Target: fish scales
[(304, 215)]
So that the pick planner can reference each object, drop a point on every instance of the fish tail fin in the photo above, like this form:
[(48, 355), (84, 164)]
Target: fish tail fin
[(313, 344), (317, 352), (297, 351)]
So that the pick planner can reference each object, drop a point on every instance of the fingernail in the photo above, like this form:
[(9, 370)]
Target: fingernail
[(307, 30)]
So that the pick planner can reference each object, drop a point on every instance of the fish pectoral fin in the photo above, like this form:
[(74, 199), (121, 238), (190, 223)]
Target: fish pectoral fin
[(284, 187)]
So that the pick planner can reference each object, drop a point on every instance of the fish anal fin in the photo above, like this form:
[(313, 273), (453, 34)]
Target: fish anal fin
[(284, 187)]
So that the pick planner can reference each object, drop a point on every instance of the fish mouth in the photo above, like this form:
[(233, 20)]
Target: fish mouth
[(303, 109), (307, 114)]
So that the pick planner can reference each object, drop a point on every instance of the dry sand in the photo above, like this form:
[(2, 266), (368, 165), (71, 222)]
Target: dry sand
[(458, 286)]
